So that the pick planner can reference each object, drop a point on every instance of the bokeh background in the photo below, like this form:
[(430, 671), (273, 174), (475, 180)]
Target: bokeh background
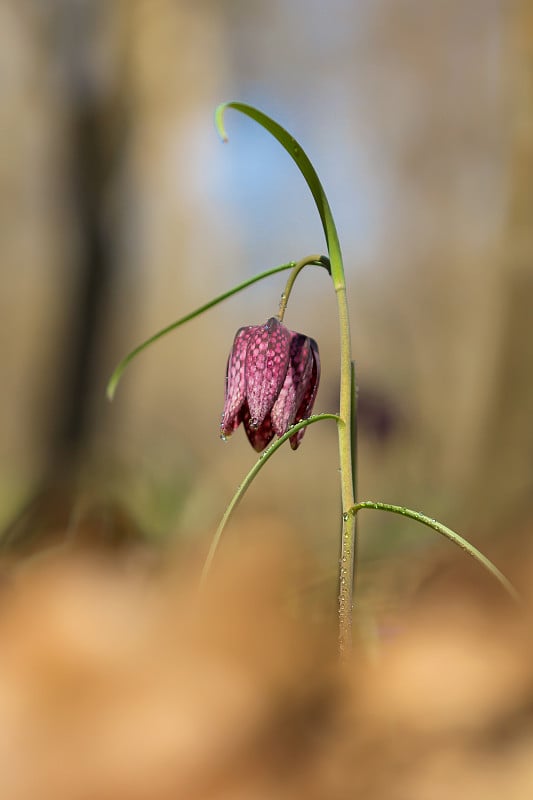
[(120, 210)]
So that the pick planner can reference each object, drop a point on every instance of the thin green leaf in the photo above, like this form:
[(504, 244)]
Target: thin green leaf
[(448, 533), (298, 155), (117, 374), (257, 467)]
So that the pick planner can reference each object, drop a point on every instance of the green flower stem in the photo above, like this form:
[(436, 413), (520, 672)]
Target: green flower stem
[(444, 531), (347, 413), (353, 434), (322, 261), (239, 494), (117, 374)]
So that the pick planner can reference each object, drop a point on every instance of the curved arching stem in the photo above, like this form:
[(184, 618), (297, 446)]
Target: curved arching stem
[(346, 412), (322, 261)]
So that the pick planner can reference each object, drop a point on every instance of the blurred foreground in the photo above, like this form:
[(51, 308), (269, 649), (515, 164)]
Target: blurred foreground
[(119, 681)]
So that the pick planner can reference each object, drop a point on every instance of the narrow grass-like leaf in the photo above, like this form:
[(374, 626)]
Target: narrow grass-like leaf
[(257, 467), (444, 531), (117, 374), (298, 155)]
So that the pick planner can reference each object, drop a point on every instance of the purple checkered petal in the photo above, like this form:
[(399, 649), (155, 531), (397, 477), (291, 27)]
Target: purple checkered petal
[(311, 388), (295, 385), (260, 437), (272, 378), (267, 359), (235, 393)]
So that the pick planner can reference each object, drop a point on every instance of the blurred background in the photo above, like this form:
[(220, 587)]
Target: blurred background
[(120, 211)]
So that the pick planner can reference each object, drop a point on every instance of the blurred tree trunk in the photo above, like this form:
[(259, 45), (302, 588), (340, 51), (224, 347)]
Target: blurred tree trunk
[(130, 74), (506, 480), (95, 145), (70, 32)]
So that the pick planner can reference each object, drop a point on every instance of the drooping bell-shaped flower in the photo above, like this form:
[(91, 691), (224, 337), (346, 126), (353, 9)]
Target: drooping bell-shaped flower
[(271, 382)]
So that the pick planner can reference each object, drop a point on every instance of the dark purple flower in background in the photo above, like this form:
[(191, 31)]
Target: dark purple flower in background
[(271, 383)]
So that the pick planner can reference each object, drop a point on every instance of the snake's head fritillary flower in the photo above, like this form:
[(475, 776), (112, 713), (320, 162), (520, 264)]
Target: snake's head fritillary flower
[(271, 383)]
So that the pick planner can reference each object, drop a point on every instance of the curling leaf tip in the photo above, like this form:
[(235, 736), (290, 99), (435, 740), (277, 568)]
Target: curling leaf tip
[(113, 383), (219, 121)]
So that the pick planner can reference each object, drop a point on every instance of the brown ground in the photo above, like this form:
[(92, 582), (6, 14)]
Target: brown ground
[(118, 681)]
